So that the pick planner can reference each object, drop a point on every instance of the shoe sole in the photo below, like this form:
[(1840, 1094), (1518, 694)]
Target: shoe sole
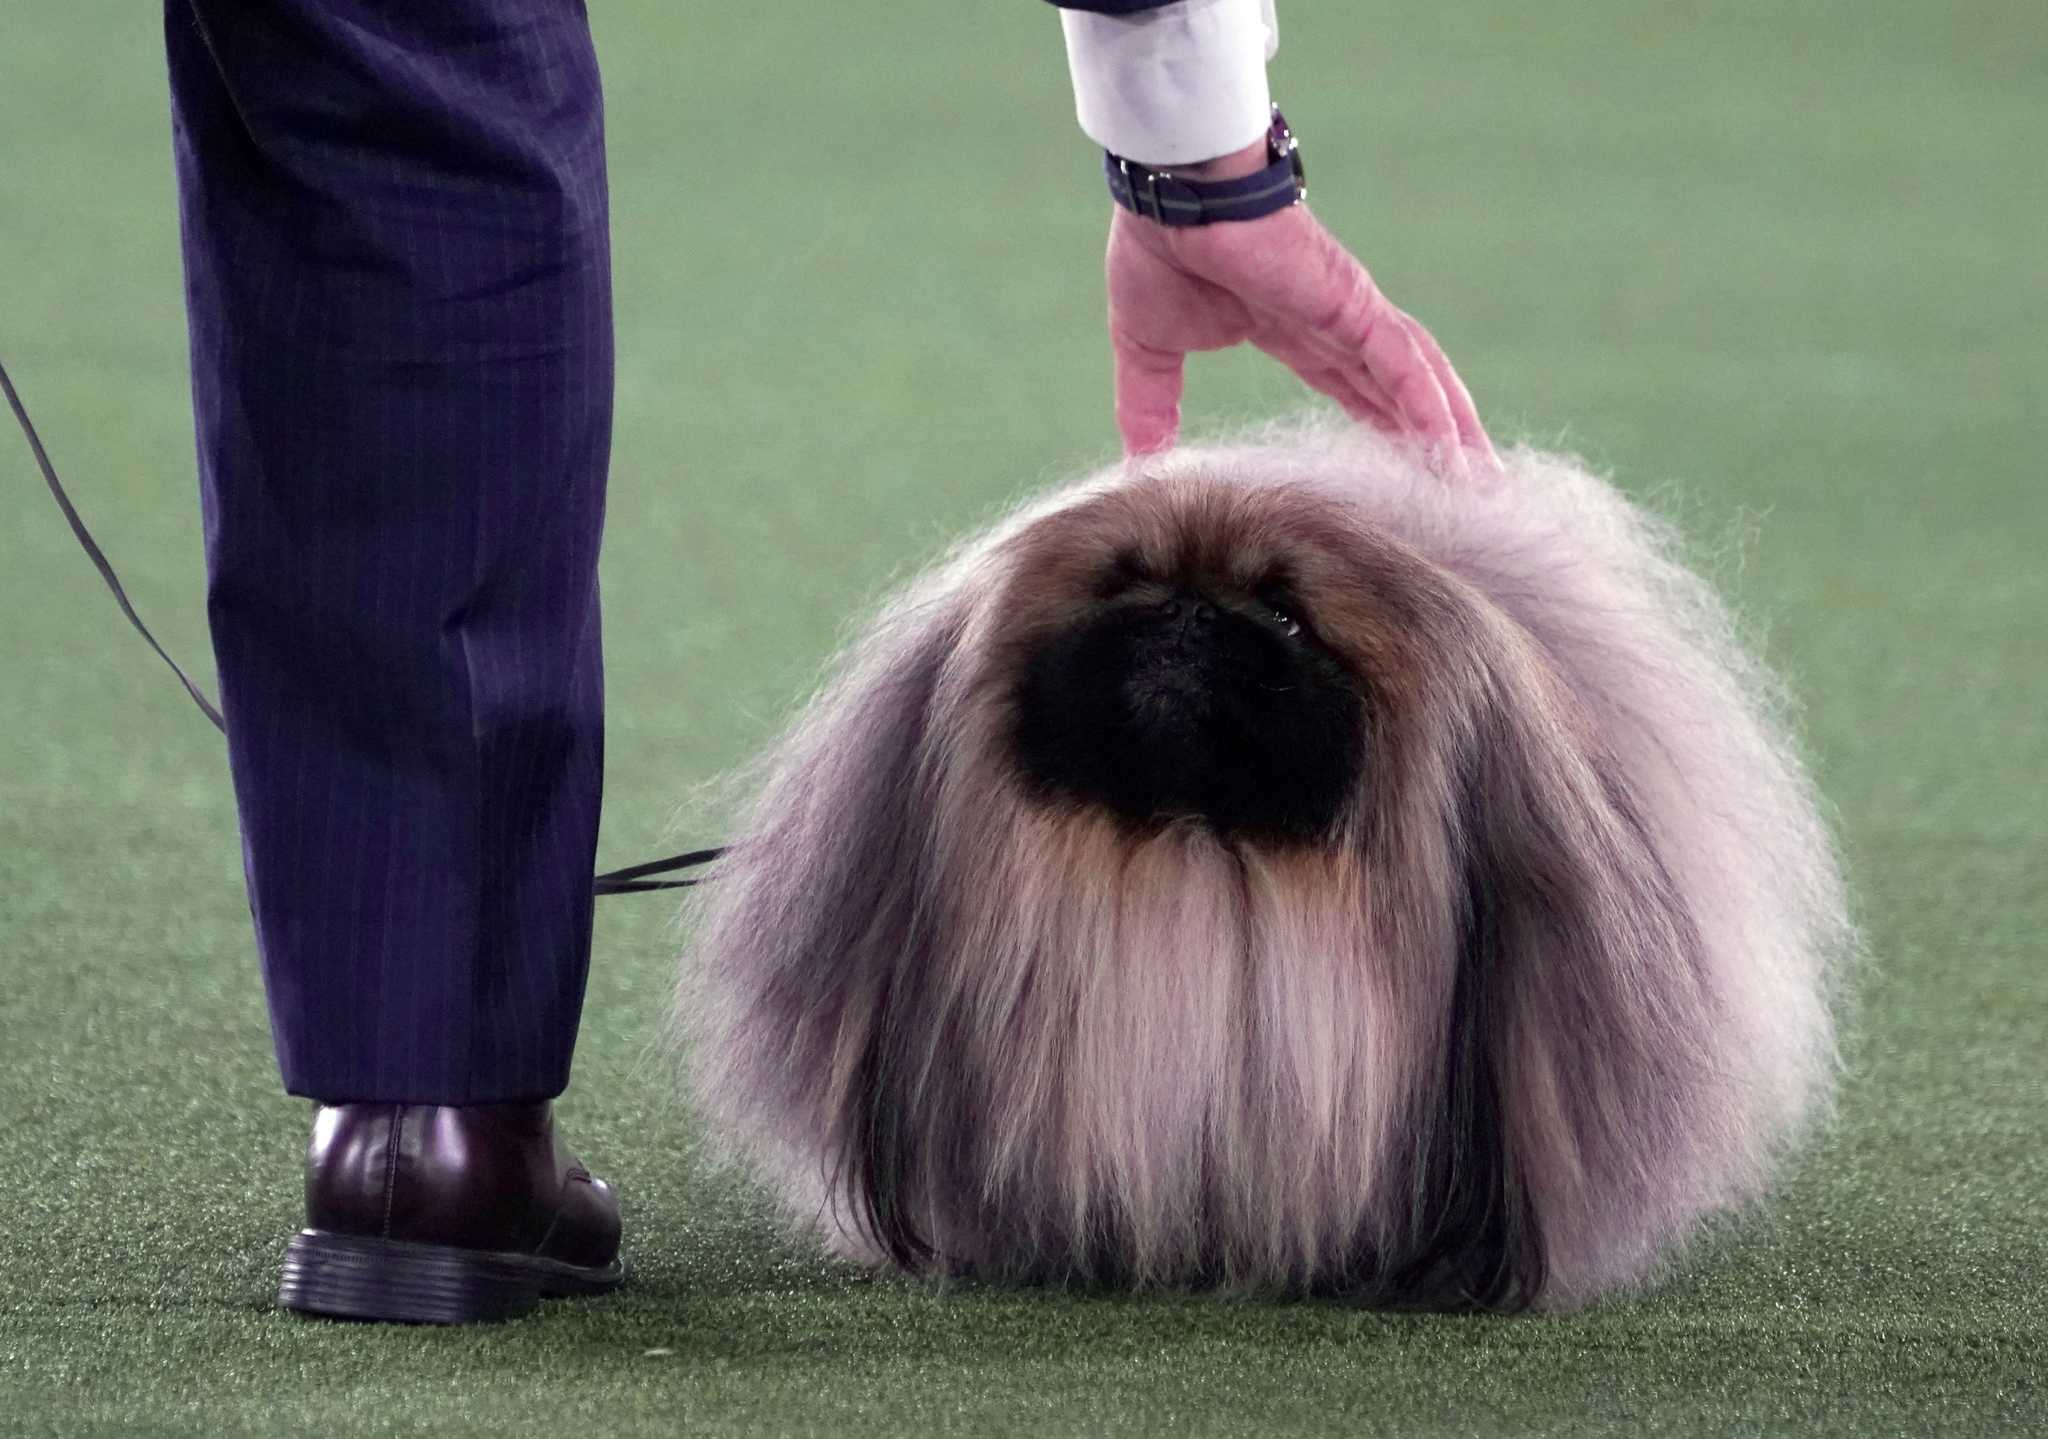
[(346, 1276)]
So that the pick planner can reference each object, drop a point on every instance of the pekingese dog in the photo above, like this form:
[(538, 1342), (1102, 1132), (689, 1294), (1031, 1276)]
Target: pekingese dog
[(1273, 867)]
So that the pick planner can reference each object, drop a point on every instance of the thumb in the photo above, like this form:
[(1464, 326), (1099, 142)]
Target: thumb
[(1148, 386)]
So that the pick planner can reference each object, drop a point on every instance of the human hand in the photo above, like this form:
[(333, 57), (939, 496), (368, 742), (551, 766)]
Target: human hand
[(1290, 287)]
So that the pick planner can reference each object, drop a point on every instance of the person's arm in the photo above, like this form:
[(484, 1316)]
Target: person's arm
[(1183, 84)]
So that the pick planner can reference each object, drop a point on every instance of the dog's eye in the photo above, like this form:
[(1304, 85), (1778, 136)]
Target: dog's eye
[(1281, 607), (1125, 570)]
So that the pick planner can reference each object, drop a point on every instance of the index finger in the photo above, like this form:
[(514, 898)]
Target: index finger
[(1334, 304), (1367, 328), (1470, 430)]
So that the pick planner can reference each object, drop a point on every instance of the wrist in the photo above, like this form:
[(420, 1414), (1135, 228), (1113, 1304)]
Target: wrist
[(1243, 184), (1233, 166)]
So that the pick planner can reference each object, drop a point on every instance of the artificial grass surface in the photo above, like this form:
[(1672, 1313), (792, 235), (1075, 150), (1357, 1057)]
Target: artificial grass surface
[(1788, 258)]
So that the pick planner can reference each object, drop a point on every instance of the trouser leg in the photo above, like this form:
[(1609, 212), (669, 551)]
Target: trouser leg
[(398, 284)]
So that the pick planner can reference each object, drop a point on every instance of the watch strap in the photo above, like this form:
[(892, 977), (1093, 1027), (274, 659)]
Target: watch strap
[(1170, 199)]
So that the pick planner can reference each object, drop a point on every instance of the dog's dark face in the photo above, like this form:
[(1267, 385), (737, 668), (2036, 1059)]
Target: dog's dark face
[(1181, 689)]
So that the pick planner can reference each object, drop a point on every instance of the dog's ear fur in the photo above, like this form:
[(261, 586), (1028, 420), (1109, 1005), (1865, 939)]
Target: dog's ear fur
[(1582, 1028), (807, 1026), (1471, 1240)]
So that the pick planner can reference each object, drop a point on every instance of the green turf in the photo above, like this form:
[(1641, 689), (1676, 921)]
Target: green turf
[(1788, 257)]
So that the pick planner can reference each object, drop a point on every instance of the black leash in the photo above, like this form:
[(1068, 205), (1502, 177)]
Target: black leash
[(633, 879)]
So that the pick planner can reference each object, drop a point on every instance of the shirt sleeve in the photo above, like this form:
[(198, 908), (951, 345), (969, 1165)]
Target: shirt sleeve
[(1176, 84)]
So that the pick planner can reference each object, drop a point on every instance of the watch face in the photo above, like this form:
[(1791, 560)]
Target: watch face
[(1279, 139), (1281, 145)]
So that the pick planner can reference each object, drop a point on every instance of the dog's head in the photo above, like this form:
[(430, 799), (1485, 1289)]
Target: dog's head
[(1181, 651)]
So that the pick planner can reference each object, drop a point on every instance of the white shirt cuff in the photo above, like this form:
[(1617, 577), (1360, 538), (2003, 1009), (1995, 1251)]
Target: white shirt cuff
[(1175, 85)]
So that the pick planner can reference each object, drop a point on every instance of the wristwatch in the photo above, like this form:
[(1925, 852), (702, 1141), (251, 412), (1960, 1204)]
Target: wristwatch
[(1171, 200)]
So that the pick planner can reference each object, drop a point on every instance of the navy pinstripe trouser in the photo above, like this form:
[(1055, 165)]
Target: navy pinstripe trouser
[(398, 285)]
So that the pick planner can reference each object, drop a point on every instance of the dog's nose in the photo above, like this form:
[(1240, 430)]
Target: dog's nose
[(1188, 609)]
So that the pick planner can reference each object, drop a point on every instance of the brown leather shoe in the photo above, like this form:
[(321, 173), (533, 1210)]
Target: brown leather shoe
[(444, 1214)]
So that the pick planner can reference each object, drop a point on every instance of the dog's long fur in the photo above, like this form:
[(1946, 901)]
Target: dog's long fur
[(1556, 989)]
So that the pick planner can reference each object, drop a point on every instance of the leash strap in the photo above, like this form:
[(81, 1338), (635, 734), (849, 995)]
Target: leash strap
[(97, 556), (633, 879)]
